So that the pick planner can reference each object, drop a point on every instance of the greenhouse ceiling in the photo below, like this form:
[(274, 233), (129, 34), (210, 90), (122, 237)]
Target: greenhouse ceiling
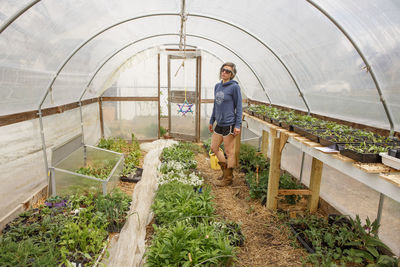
[(336, 58)]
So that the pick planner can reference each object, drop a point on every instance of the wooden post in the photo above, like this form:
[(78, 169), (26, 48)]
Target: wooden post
[(237, 148), (265, 143), (315, 183), (274, 175), (101, 117)]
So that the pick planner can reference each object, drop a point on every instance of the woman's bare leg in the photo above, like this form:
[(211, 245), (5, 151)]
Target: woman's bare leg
[(216, 141), (229, 145)]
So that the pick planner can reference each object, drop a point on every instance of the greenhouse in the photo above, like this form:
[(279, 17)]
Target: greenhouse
[(107, 156)]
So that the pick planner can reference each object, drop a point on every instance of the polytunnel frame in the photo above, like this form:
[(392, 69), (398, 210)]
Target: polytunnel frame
[(324, 12), (311, 2), (361, 54)]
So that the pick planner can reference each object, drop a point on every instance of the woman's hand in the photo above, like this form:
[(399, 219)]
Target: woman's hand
[(236, 131), (210, 128)]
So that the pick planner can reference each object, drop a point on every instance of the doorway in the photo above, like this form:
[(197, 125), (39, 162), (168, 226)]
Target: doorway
[(184, 83)]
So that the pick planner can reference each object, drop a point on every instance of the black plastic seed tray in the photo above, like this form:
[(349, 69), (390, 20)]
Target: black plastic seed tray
[(361, 157), (286, 126)]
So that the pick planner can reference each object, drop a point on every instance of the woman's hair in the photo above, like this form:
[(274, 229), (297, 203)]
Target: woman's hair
[(230, 64)]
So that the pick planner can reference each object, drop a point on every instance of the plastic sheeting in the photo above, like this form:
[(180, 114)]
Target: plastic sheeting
[(22, 166), (130, 247), (281, 47)]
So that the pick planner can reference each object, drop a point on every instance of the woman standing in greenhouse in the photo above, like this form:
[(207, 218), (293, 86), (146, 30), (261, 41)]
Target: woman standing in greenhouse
[(227, 112)]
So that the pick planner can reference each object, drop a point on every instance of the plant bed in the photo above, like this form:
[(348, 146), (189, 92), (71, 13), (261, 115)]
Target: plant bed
[(341, 241), (133, 177), (74, 234)]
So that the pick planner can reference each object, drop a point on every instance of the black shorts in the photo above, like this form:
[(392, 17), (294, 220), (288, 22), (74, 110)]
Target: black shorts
[(224, 130)]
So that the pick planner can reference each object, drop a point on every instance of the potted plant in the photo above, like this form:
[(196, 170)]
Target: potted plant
[(55, 201)]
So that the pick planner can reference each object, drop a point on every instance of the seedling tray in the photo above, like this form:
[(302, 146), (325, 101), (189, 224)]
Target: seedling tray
[(286, 126), (361, 157), (267, 119), (305, 133), (276, 122)]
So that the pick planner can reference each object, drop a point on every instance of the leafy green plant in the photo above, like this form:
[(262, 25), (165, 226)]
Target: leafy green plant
[(100, 172), (367, 148), (163, 131), (131, 151), (343, 241), (54, 199), (182, 152), (176, 201), (28, 253), (250, 159), (258, 186), (185, 245), (115, 207)]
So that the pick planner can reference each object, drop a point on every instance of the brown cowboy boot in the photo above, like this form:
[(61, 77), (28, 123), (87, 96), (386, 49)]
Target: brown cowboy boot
[(223, 169), (227, 178)]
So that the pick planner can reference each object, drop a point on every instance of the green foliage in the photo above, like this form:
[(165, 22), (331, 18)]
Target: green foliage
[(163, 131), (187, 233), (131, 151), (183, 152), (258, 188), (184, 245), (50, 236), (28, 253), (176, 201), (54, 199), (333, 131), (114, 207), (98, 172), (249, 159), (366, 148), (343, 241)]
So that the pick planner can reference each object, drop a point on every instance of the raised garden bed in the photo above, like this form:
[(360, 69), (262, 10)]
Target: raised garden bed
[(73, 234)]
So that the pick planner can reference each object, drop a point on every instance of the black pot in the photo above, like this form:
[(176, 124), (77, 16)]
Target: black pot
[(133, 177)]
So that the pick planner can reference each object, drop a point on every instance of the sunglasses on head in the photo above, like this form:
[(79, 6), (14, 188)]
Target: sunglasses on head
[(226, 71)]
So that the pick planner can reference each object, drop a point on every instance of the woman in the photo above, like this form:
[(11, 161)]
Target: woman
[(227, 112)]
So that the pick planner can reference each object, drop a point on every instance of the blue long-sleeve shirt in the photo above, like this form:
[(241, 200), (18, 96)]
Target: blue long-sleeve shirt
[(227, 108)]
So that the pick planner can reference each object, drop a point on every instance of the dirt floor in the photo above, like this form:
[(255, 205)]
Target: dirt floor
[(268, 243)]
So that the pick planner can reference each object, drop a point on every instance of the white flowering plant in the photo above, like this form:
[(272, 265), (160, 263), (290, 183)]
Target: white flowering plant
[(177, 171)]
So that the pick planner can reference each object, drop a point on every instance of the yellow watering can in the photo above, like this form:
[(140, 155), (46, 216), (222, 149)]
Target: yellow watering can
[(214, 160)]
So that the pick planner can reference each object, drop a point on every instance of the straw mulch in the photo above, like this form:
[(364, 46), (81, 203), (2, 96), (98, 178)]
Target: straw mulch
[(268, 241)]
